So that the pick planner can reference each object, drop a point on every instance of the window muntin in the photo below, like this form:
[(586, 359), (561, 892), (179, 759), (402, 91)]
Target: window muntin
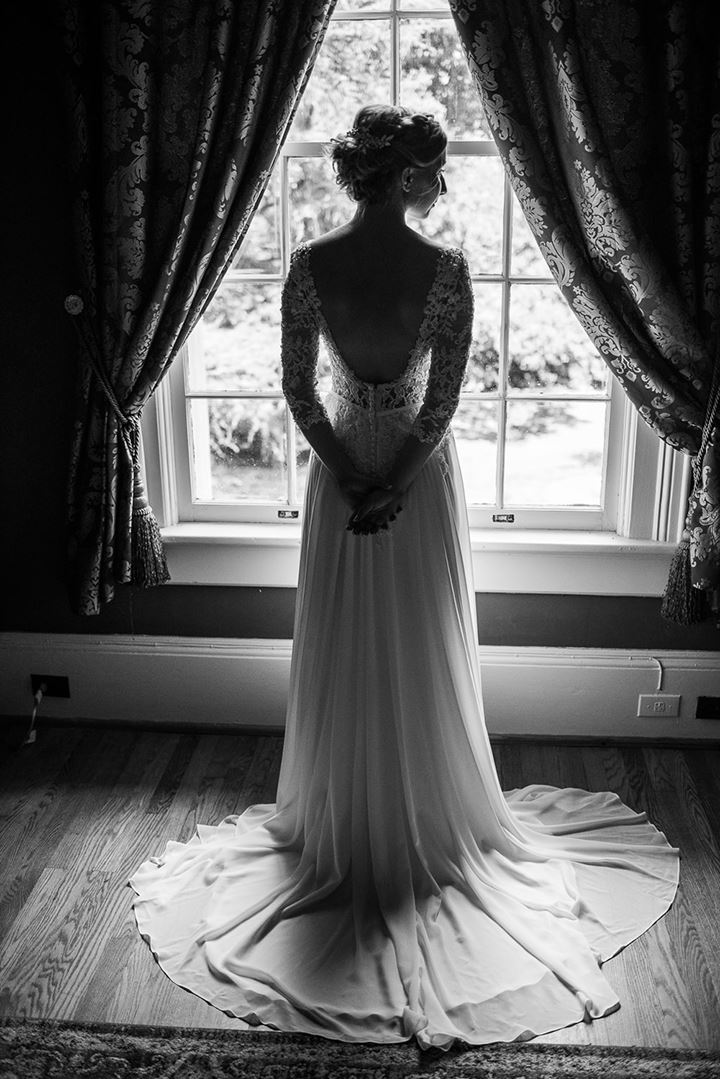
[(534, 426)]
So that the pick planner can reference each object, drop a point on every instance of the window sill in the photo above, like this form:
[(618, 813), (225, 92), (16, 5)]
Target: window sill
[(507, 560)]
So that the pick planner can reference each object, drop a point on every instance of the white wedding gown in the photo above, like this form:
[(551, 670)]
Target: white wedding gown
[(394, 890)]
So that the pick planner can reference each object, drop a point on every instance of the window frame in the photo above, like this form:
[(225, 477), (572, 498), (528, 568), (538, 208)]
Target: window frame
[(562, 517), (645, 486), (633, 559)]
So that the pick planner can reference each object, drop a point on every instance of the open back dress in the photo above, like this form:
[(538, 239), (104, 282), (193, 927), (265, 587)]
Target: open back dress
[(394, 890)]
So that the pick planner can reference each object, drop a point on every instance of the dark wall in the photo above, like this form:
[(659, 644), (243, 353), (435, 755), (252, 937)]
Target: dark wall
[(37, 365), (38, 372)]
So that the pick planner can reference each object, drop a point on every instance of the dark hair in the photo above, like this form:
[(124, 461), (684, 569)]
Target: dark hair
[(383, 140)]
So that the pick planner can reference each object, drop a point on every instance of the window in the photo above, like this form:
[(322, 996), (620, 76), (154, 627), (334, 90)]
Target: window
[(544, 434)]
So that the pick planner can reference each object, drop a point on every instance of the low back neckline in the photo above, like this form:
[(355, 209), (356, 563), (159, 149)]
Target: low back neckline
[(303, 248)]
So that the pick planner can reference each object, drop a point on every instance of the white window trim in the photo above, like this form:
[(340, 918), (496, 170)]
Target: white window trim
[(631, 560), (626, 551), (590, 518)]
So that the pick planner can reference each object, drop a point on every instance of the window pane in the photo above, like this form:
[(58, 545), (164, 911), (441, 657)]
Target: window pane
[(555, 450), (475, 429), (554, 453), (362, 5), (526, 258), (470, 214), (548, 347), (260, 250), (482, 369), (302, 457), (317, 204), (419, 5), (352, 70), (434, 77), (238, 450), (236, 344), (323, 373)]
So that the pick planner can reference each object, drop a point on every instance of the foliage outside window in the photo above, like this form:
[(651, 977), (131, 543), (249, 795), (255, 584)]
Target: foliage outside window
[(532, 427)]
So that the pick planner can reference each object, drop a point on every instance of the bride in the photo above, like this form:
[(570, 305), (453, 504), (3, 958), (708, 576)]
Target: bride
[(394, 890)]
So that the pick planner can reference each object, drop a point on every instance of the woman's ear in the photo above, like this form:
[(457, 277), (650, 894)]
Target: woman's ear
[(407, 176)]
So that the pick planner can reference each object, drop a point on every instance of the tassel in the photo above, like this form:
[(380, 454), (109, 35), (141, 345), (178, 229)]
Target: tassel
[(149, 566), (681, 602)]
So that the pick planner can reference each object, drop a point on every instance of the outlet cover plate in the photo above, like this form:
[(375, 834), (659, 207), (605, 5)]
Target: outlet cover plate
[(56, 685), (659, 705)]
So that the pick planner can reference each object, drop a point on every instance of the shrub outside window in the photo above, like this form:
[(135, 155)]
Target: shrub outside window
[(539, 427)]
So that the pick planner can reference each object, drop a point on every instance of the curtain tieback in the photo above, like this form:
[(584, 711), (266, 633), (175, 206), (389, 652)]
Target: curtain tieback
[(148, 562), (75, 306), (710, 415), (682, 602)]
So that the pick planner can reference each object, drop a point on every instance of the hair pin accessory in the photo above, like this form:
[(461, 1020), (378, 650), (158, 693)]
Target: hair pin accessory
[(365, 140)]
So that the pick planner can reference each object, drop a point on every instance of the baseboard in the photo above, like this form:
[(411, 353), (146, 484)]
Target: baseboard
[(241, 685)]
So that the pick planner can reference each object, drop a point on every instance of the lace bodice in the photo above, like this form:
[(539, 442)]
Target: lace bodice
[(372, 419)]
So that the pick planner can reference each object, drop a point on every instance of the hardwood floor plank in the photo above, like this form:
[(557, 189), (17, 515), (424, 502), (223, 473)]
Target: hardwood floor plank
[(208, 793), (511, 760), (685, 1017), (144, 994), (23, 769), (49, 950), (691, 926), (640, 1014), (114, 832), (627, 771), (65, 812), (128, 986), (100, 823), (674, 807), (625, 1027), (219, 791), (32, 923), (33, 790), (261, 779), (172, 777), (703, 768), (202, 786), (107, 979)]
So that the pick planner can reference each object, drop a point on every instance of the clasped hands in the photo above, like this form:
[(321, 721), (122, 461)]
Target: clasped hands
[(374, 504)]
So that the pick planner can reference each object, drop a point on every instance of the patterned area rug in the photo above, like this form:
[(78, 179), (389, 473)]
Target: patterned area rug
[(49, 1049)]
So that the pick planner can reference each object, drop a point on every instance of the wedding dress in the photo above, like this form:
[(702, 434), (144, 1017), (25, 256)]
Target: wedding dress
[(394, 890)]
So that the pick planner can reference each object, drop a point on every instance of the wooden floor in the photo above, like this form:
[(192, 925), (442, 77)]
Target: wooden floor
[(83, 807)]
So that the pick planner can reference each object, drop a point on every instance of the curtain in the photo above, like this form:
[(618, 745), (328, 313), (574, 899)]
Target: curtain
[(177, 110), (607, 118)]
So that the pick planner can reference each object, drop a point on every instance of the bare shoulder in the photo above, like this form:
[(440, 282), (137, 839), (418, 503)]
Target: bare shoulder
[(423, 246), (330, 240), (349, 254), (424, 243), (430, 253), (344, 236)]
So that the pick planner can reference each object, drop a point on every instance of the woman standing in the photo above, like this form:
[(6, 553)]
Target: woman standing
[(394, 890)]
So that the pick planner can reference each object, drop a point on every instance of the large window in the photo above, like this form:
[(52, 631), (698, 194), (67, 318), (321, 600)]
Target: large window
[(540, 425)]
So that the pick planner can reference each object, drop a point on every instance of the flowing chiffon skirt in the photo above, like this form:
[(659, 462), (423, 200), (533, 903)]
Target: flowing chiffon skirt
[(394, 890)]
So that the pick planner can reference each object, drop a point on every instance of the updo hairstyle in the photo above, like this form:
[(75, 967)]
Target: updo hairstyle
[(383, 140)]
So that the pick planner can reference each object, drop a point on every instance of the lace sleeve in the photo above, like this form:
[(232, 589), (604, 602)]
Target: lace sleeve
[(299, 346), (450, 350)]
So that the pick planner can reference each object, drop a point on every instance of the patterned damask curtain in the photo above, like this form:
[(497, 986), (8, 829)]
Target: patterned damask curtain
[(607, 116), (177, 109)]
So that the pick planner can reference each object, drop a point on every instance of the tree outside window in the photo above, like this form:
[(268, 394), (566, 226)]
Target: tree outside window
[(532, 426)]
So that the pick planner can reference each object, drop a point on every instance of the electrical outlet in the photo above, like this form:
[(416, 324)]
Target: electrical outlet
[(708, 708), (55, 685), (659, 705)]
